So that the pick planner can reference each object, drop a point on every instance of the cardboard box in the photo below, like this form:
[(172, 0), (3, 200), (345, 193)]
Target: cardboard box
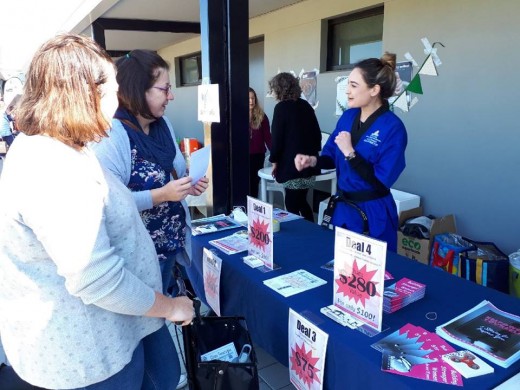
[(419, 249), (405, 201)]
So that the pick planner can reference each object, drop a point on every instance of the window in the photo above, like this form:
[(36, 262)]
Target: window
[(190, 69), (354, 37)]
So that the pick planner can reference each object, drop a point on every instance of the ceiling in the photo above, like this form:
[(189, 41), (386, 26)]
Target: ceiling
[(43, 19), (170, 10)]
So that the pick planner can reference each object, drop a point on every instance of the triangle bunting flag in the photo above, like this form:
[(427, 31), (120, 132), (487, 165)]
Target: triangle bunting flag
[(415, 85), (401, 102), (428, 67)]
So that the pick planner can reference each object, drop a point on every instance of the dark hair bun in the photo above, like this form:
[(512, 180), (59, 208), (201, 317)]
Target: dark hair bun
[(389, 59)]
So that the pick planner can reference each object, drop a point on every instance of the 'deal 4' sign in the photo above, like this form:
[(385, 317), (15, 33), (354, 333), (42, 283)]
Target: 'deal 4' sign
[(359, 272), (307, 351)]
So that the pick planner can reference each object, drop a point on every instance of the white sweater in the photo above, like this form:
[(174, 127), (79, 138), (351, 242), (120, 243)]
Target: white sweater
[(77, 267)]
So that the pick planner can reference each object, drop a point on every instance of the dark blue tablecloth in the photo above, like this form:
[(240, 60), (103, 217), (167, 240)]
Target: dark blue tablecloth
[(351, 362)]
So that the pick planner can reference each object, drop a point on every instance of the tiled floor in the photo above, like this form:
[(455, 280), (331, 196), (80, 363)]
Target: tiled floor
[(273, 375)]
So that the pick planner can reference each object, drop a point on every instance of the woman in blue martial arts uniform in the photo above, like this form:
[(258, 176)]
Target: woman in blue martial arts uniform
[(367, 149)]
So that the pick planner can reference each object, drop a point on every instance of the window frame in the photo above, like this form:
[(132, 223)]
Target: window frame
[(180, 63), (331, 23)]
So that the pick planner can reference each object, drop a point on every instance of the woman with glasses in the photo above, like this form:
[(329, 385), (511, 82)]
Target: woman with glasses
[(141, 150)]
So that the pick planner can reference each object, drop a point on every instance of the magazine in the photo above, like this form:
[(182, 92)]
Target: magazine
[(492, 333), (213, 224), (235, 243), (284, 216), (417, 353)]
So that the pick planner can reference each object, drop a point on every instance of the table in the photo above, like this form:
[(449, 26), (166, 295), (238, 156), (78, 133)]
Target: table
[(265, 175), (301, 244)]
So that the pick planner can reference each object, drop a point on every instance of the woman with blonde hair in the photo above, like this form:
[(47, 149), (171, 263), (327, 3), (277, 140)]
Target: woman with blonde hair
[(259, 139), (80, 284)]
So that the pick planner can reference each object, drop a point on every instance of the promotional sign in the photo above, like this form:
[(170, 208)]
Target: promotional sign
[(260, 230), (211, 268), (208, 108), (359, 274), (307, 351)]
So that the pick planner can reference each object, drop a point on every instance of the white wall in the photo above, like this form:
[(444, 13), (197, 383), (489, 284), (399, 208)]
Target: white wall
[(256, 70), (462, 156)]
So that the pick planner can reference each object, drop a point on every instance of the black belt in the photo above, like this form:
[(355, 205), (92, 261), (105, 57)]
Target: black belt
[(362, 196), (351, 198)]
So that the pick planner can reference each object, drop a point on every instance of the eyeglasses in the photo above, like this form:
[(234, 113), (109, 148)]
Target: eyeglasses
[(166, 90)]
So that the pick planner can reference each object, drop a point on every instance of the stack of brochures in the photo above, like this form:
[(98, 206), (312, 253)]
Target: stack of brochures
[(492, 333), (235, 243), (415, 352), (213, 224), (402, 293)]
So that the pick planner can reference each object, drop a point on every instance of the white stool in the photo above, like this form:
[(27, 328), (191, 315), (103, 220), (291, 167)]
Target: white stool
[(267, 183)]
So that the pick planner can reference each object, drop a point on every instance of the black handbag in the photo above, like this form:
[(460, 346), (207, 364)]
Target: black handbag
[(206, 334)]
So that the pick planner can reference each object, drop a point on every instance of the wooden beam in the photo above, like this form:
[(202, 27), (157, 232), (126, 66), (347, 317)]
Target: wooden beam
[(149, 25)]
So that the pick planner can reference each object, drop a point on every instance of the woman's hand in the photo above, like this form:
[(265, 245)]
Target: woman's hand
[(199, 187), (183, 311), (302, 161), (344, 142), (173, 191), (273, 172), (179, 309)]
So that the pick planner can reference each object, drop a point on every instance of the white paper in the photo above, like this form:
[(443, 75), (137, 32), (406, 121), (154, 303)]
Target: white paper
[(235, 243), (341, 94), (467, 364), (294, 282), (253, 261), (211, 270), (199, 162), (209, 105), (225, 353), (340, 316)]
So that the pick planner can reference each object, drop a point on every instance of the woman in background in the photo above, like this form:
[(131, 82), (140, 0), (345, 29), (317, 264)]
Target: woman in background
[(367, 148), (8, 128), (295, 131), (141, 151), (80, 285), (259, 139)]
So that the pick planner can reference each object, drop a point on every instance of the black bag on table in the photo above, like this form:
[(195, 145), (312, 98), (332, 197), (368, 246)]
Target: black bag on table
[(485, 265), (206, 334)]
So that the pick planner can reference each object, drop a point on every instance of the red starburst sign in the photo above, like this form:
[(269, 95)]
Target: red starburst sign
[(358, 286), (260, 234), (210, 284), (304, 364), (359, 271)]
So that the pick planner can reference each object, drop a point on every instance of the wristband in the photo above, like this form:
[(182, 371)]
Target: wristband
[(351, 156)]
